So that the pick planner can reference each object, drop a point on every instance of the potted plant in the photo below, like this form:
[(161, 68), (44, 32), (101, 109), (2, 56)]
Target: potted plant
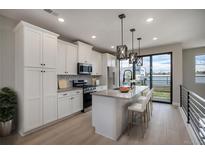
[(8, 101)]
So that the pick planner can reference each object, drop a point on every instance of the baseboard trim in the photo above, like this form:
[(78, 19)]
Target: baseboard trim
[(176, 104), (190, 131)]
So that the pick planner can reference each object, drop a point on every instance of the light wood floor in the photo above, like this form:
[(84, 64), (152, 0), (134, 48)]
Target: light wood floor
[(165, 127)]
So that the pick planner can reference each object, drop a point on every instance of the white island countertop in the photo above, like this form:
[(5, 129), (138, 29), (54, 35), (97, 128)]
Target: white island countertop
[(117, 94)]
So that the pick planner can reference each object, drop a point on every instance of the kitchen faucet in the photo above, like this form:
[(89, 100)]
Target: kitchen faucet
[(124, 75)]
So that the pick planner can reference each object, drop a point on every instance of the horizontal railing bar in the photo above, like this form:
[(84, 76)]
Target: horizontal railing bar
[(197, 108), (195, 116), (197, 134), (197, 96), (197, 102)]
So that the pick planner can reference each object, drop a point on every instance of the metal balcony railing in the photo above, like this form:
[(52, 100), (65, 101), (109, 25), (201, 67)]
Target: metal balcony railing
[(194, 108)]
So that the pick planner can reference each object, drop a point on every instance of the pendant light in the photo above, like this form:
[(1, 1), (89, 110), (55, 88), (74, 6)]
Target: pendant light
[(132, 55), (122, 49), (139, 60)]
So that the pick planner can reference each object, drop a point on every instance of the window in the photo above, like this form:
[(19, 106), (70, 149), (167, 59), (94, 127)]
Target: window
[(200, 69)]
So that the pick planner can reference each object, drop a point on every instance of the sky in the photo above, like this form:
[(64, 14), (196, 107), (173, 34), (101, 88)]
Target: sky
[(161, 63)]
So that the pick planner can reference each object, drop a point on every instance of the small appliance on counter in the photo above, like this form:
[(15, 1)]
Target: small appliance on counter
[(87, 91)]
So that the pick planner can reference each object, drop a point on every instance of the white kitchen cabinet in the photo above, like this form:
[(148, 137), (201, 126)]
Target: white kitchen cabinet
[(69, 102), (49, 50), (33, 117), (64, 107), (33, 47), (49, 95), (66, 58), (61, 58), (35, 76), (96, 63), (71, 59), (77, 104), (111, 60), (84, 52), (40, 46)]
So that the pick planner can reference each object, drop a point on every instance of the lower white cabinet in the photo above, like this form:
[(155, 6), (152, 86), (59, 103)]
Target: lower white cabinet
[(33, 99), (40, 104), (49, 96), (69, 102), (64, 107)]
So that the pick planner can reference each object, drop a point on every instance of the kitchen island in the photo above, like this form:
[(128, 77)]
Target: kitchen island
[(109, 111)]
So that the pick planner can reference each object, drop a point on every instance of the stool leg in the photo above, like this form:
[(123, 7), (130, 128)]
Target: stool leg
[(129, 122), (142, 123)]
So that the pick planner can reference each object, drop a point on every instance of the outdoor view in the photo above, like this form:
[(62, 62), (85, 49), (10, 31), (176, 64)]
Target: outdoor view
[(200, 69), (159, 78)]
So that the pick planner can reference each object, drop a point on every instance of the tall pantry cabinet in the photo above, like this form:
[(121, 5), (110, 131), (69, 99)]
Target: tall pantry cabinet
[(35, 76)]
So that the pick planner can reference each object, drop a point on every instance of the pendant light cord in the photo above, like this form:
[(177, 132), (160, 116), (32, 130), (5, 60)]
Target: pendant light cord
[(139, 47), (122, 29), (132, 41)]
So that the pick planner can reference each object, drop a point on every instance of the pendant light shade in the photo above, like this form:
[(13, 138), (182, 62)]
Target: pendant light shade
[(132, 55), (122, 49), (139, 59)]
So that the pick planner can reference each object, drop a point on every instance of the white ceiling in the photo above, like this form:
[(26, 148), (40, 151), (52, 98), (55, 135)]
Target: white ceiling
[(170, 26)]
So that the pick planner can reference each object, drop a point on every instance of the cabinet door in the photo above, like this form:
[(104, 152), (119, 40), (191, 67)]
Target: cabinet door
[(33, 98), (94, 57), (49, 50), (77, 103), (84, 53), (99, 63), (49, 95), (64, 107), (61, 58), (33, 47), (71, 60)]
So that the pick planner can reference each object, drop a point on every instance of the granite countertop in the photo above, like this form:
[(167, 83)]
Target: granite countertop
[(68, 89), (137, 90)]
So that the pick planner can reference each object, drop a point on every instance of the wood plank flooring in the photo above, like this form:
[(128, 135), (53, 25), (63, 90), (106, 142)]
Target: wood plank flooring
[(165, 127)]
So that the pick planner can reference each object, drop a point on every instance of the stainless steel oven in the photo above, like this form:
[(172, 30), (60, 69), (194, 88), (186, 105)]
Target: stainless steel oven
[(84, 69)]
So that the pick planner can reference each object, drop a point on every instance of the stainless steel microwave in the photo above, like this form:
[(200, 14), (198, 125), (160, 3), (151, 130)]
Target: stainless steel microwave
[(84, 69)]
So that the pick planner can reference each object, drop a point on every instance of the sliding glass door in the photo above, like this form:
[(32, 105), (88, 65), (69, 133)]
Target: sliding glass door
[(161, 77), (156, 73)]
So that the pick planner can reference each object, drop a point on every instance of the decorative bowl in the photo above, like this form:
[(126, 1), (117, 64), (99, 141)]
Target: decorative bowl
[(124, 89)]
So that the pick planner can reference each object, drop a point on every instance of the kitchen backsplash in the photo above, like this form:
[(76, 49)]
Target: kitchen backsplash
[(70, 78)]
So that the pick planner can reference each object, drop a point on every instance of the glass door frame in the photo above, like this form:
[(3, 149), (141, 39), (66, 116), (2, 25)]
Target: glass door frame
[(151, 62)]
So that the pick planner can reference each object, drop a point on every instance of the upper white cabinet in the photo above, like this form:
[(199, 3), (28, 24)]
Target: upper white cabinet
[(35, 76), (96, 63), (110, 60), (39, 46), (84, 52), (49, 50), (66, 58), (33, 47)]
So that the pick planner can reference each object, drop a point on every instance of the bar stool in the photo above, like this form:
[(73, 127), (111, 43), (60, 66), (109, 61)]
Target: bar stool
[(141, 107)]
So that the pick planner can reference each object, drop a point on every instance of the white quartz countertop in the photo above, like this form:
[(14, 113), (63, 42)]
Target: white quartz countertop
[(117, 94)]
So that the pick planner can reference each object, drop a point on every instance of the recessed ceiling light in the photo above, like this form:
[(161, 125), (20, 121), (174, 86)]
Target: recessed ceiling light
[(93, 37), (60, 19), (150, 19), (112, 47), (155, 38)]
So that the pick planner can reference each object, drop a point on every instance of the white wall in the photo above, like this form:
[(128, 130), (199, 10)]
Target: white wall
[(7, 63), (189, 71), (176, 50)]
